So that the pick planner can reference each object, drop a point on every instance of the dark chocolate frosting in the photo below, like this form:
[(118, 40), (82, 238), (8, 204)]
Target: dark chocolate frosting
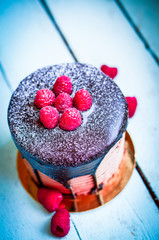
[(102, 125)]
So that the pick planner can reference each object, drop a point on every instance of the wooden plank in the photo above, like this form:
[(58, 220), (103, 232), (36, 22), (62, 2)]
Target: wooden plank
[(28, 39), (145, 16), (128, 216), (101, 34), (124, 208), (4, 99), (20, 216)]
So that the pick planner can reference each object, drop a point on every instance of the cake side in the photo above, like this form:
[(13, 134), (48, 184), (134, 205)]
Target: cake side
[(84, 184), (102, 125)]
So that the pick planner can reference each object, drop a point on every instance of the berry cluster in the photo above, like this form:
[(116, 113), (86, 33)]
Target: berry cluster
[(63, 103), (51, 200)]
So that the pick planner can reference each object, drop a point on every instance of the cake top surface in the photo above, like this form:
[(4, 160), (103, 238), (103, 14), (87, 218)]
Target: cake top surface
[(102, 125)]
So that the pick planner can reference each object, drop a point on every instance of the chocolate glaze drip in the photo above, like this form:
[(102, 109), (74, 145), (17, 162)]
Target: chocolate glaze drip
[(61, 154)]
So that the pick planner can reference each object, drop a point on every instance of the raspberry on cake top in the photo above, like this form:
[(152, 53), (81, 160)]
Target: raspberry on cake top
[(102, 124)]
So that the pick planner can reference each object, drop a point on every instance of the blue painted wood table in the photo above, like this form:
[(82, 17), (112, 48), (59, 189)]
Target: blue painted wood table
[(121, 33)]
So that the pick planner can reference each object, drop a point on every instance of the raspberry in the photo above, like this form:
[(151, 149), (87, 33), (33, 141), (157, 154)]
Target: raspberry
[(63, 101), (70, 119), (132, 105), (42, 194), (49, 117), (60, 222), (44, 97), (62, 84), (52, 200), (82, 100), (49, 198), (62, 205), (110, 71)]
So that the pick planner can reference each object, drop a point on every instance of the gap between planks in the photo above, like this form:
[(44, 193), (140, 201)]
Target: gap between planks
[(137, 31), (50, 15), (147, 184), (76, 229)]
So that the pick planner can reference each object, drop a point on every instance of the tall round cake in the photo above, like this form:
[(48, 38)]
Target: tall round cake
[(75, 161)]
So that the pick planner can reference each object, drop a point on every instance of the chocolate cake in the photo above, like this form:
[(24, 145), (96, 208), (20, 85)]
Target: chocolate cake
[(65, 155)]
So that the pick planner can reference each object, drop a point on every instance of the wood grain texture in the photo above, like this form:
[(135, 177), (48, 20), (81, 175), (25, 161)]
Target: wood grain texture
[(102, 35)]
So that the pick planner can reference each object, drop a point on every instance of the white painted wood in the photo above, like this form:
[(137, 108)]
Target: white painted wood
[(128, 216), (4, 100), (20, 216), (28, 39), (99, 34), (145, 15), (132, 214)]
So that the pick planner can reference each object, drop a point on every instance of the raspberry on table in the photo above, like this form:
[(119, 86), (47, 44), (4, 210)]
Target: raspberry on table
[(44, 97), (132, 105), (82, 100), (110, 71), (70, 119), (60, 222), (63, 101), (42, 194), (49, 116), (49, 198), (62, 84)]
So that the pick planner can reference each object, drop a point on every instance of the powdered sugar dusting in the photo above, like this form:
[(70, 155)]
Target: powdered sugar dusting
[(102, 123)]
